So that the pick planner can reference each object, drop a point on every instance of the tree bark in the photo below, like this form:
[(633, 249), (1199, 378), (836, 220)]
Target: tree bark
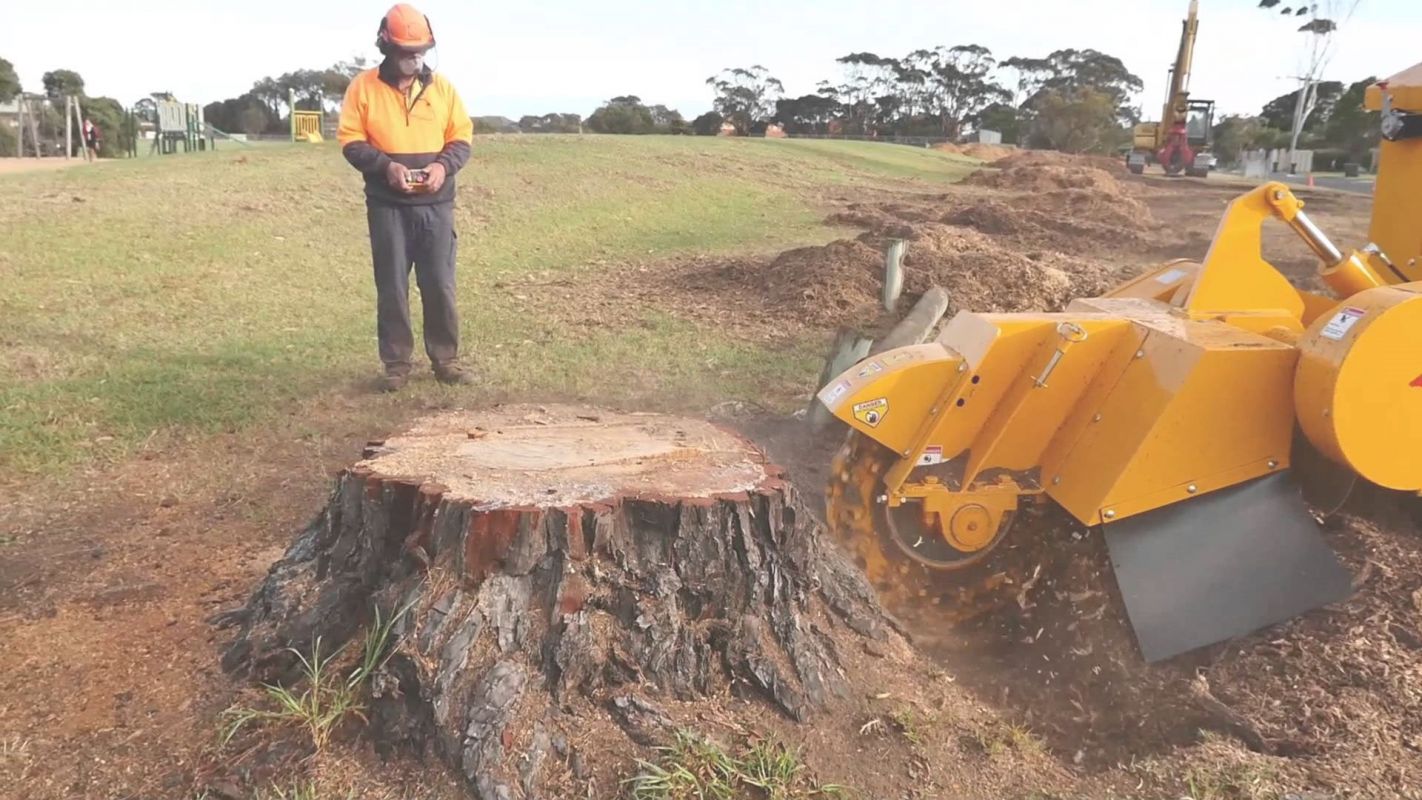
[(568, 572)]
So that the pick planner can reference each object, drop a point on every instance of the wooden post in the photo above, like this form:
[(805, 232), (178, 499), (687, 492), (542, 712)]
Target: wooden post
[(34, 134), (20, 125)]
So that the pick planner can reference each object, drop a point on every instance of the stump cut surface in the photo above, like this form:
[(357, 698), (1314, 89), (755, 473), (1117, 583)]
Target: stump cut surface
[(567, 456)]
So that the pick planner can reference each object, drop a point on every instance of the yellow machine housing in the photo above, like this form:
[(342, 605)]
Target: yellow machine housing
[(1182, 411), (1176, 384), (1185, 383)]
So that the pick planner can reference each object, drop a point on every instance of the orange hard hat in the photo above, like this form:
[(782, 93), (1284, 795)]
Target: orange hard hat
[(406, 28)]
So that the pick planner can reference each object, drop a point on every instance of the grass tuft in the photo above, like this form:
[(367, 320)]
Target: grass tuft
[(694, 767), (327, 699)]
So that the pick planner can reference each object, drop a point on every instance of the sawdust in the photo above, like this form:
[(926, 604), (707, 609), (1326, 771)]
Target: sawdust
[(840, 282), (1051, 158), (1046, 178), (1028, 237), (986, 152)]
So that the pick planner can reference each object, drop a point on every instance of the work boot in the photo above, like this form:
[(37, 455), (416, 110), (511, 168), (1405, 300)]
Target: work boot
[(452, 374), (394, 380)]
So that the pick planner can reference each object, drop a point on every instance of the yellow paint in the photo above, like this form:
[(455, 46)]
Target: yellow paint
[(1397, 205), (1203, 398), (1359, 389), (1235, 275), (306, 126), (1316, 305), (1162, 283), (1177, 383), (969, 521), (907, 378), (1405, 88)]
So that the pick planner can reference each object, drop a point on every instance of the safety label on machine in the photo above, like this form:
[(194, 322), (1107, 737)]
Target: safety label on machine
[(932, 454), (1342, 322), (872, 412), (873, 368), (840, 390), (1171, 276)]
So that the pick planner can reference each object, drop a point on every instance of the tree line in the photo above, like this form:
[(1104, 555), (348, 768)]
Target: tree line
[(106, 113), (1070, 100), (1338, 131)]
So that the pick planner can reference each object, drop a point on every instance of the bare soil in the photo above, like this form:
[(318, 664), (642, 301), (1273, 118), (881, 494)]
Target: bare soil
[(15, 166), (109, 680)]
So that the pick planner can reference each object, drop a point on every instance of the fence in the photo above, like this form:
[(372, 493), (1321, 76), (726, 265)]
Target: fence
[(1262, 163)]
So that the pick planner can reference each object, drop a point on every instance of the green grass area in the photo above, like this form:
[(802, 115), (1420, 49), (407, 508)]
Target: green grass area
[(208, 291)]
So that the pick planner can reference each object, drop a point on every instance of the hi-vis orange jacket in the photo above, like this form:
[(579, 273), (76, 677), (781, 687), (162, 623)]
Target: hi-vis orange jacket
[(380, 123)]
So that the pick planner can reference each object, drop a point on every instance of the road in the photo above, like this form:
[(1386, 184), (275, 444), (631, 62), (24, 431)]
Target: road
[(1354, 185)]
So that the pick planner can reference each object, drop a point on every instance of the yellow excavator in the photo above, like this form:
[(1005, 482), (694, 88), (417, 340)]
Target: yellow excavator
[(1180, 142), (1182, 412)]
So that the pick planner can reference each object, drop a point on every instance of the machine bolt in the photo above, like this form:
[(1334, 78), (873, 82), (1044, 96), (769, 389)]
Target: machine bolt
[(1108, 514), (1057, 481), (1140, 354), (962, 366), (1192, 488), (1327, 413), (1273, 464), (1278, 195), (1096, 418)]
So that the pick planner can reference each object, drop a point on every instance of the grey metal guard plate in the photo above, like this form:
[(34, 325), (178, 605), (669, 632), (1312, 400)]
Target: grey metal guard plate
[(1222, 565)]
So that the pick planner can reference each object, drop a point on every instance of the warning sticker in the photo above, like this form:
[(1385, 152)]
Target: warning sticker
[(932, 454), (897, 358), (873, 368), (1171, 276), (1342, 322), (872, 413), (840, 390)]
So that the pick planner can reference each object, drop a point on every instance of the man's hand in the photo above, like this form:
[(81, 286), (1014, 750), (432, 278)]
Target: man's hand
[(436, 177), (398, 176)]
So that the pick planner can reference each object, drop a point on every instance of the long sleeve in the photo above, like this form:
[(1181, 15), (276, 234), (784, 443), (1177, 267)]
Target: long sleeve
[(355, 145), (458, 136)]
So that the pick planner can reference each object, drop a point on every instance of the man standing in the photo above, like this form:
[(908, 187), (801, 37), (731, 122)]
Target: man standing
[(406, 130)]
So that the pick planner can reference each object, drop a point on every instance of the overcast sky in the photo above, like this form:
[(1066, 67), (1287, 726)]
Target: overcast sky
[(518, 58)]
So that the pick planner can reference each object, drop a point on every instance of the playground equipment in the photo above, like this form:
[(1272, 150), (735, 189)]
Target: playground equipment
[(31, 109), (305, 125), (179, 124)]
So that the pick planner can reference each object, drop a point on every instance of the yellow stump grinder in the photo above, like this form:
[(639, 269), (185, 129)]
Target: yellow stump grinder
[(1181, 411)]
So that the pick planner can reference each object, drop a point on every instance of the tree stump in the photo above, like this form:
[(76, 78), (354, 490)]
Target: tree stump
[(568, 573)]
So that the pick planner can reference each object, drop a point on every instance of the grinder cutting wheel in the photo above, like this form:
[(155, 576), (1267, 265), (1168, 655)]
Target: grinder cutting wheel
[(1178, 411)]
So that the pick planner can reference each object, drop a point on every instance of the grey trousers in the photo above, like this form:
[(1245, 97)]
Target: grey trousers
[(421, 236)]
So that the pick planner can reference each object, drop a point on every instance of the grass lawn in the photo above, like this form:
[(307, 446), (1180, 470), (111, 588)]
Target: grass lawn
[(212, 291)]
